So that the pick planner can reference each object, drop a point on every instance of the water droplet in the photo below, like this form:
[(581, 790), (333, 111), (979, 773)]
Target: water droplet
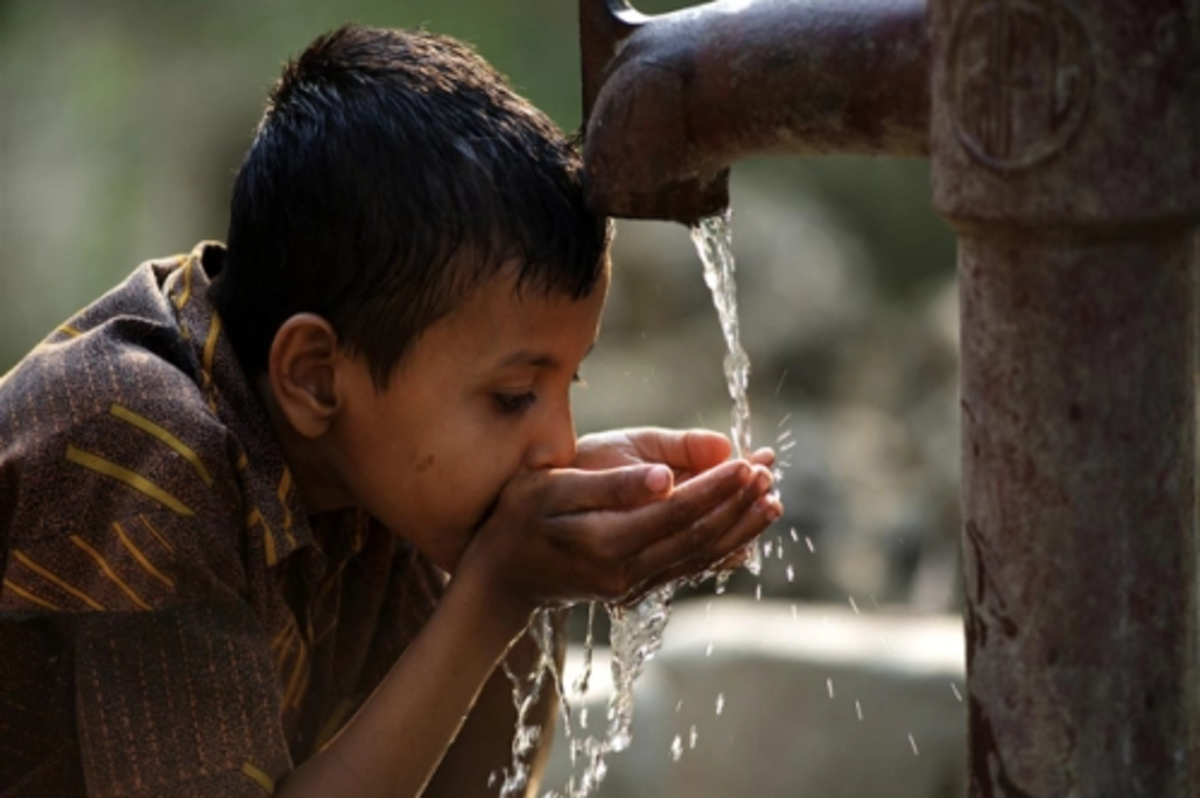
[(858, 709), (954, 688), (795, 537), (791, 574), (795, 617), (829, 686), (758, 590), (808, 542), (853, 604), (678, 706), (708, 650), (913, 743), (720, 703), (692, 736), (785, 419), (768, 547), (676, 748)]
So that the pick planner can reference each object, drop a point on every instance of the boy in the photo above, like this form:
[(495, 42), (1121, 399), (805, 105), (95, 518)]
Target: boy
[(231, 489)]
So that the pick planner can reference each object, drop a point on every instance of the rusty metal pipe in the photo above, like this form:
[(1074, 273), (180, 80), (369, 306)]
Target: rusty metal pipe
[(1066, 153), (1065, 139), (671, 101), (1078, 540)]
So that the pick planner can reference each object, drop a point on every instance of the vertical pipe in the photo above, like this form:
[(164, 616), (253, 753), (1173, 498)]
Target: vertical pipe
[(1079, 549), (1064, 140)]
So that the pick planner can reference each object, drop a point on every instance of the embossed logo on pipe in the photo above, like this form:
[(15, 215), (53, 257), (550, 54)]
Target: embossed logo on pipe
[(1021, 75)]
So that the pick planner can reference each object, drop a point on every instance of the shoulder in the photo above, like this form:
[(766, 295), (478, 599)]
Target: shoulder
[(108, 404)]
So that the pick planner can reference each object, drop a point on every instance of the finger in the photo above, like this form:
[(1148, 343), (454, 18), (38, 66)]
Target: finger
[(609, 541), (691, 450), (574, 491), (764, 457), (690, 547), (731, 549)]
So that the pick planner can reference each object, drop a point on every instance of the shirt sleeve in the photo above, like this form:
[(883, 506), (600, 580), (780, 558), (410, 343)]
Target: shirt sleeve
[(125, 553)]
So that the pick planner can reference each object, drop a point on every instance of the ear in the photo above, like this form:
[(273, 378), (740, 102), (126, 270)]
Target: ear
[(303, 372)]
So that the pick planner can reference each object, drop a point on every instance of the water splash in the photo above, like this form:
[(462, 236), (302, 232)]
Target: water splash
[(635, 637), (526, 690), (636, 632)]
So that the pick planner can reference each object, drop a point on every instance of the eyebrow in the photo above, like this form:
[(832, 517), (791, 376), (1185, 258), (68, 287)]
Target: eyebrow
[(525, 357)]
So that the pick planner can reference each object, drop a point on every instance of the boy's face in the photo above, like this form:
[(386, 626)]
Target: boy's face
[(482, 395)]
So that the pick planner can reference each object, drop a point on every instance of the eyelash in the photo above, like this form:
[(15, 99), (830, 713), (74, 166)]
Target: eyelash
[(515, 403), (520, 402)]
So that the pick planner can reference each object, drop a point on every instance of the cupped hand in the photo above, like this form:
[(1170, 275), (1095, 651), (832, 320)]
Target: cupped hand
[(611, 535), (685, 452)]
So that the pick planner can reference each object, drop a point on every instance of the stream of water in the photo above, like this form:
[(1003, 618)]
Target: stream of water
[(636, 633), (713, 238)]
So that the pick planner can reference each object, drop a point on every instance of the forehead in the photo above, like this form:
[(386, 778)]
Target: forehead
[(499, 314)]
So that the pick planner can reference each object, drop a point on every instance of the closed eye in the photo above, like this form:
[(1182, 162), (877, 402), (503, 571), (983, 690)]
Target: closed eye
[(515, 402)]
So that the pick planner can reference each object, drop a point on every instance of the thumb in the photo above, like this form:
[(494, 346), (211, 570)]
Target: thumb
[(613, 489)]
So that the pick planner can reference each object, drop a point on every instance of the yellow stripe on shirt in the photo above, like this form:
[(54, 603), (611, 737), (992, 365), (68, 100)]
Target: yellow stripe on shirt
[(285, 485), (55, 579), (142, 559), (186, 293), (148, 426), (133, 480), (259, 777), (29, 596), (87, 549), (256, 517), (206, 364), (157, 535)]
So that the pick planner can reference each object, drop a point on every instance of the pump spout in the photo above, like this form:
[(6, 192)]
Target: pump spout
[(671, 101)]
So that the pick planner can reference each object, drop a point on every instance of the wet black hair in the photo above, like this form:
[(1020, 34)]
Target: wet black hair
[(391, 173)]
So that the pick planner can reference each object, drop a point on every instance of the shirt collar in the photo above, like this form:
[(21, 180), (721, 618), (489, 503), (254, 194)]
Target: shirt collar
[(272, 502)]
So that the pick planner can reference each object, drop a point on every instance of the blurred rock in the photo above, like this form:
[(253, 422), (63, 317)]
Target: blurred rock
[(814, 700)]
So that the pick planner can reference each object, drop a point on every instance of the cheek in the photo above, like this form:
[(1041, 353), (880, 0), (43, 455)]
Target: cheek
[(463, 477)]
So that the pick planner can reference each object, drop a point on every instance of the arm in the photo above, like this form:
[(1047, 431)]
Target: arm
[(394, 742), (554, 537)]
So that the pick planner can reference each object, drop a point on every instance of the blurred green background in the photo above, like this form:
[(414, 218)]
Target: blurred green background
[(122, 123)]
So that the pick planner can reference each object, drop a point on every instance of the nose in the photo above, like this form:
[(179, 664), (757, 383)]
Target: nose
[(553, 444)]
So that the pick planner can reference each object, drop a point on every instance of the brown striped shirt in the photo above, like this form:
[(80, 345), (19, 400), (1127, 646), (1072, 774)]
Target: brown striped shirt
[(172, 622)]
